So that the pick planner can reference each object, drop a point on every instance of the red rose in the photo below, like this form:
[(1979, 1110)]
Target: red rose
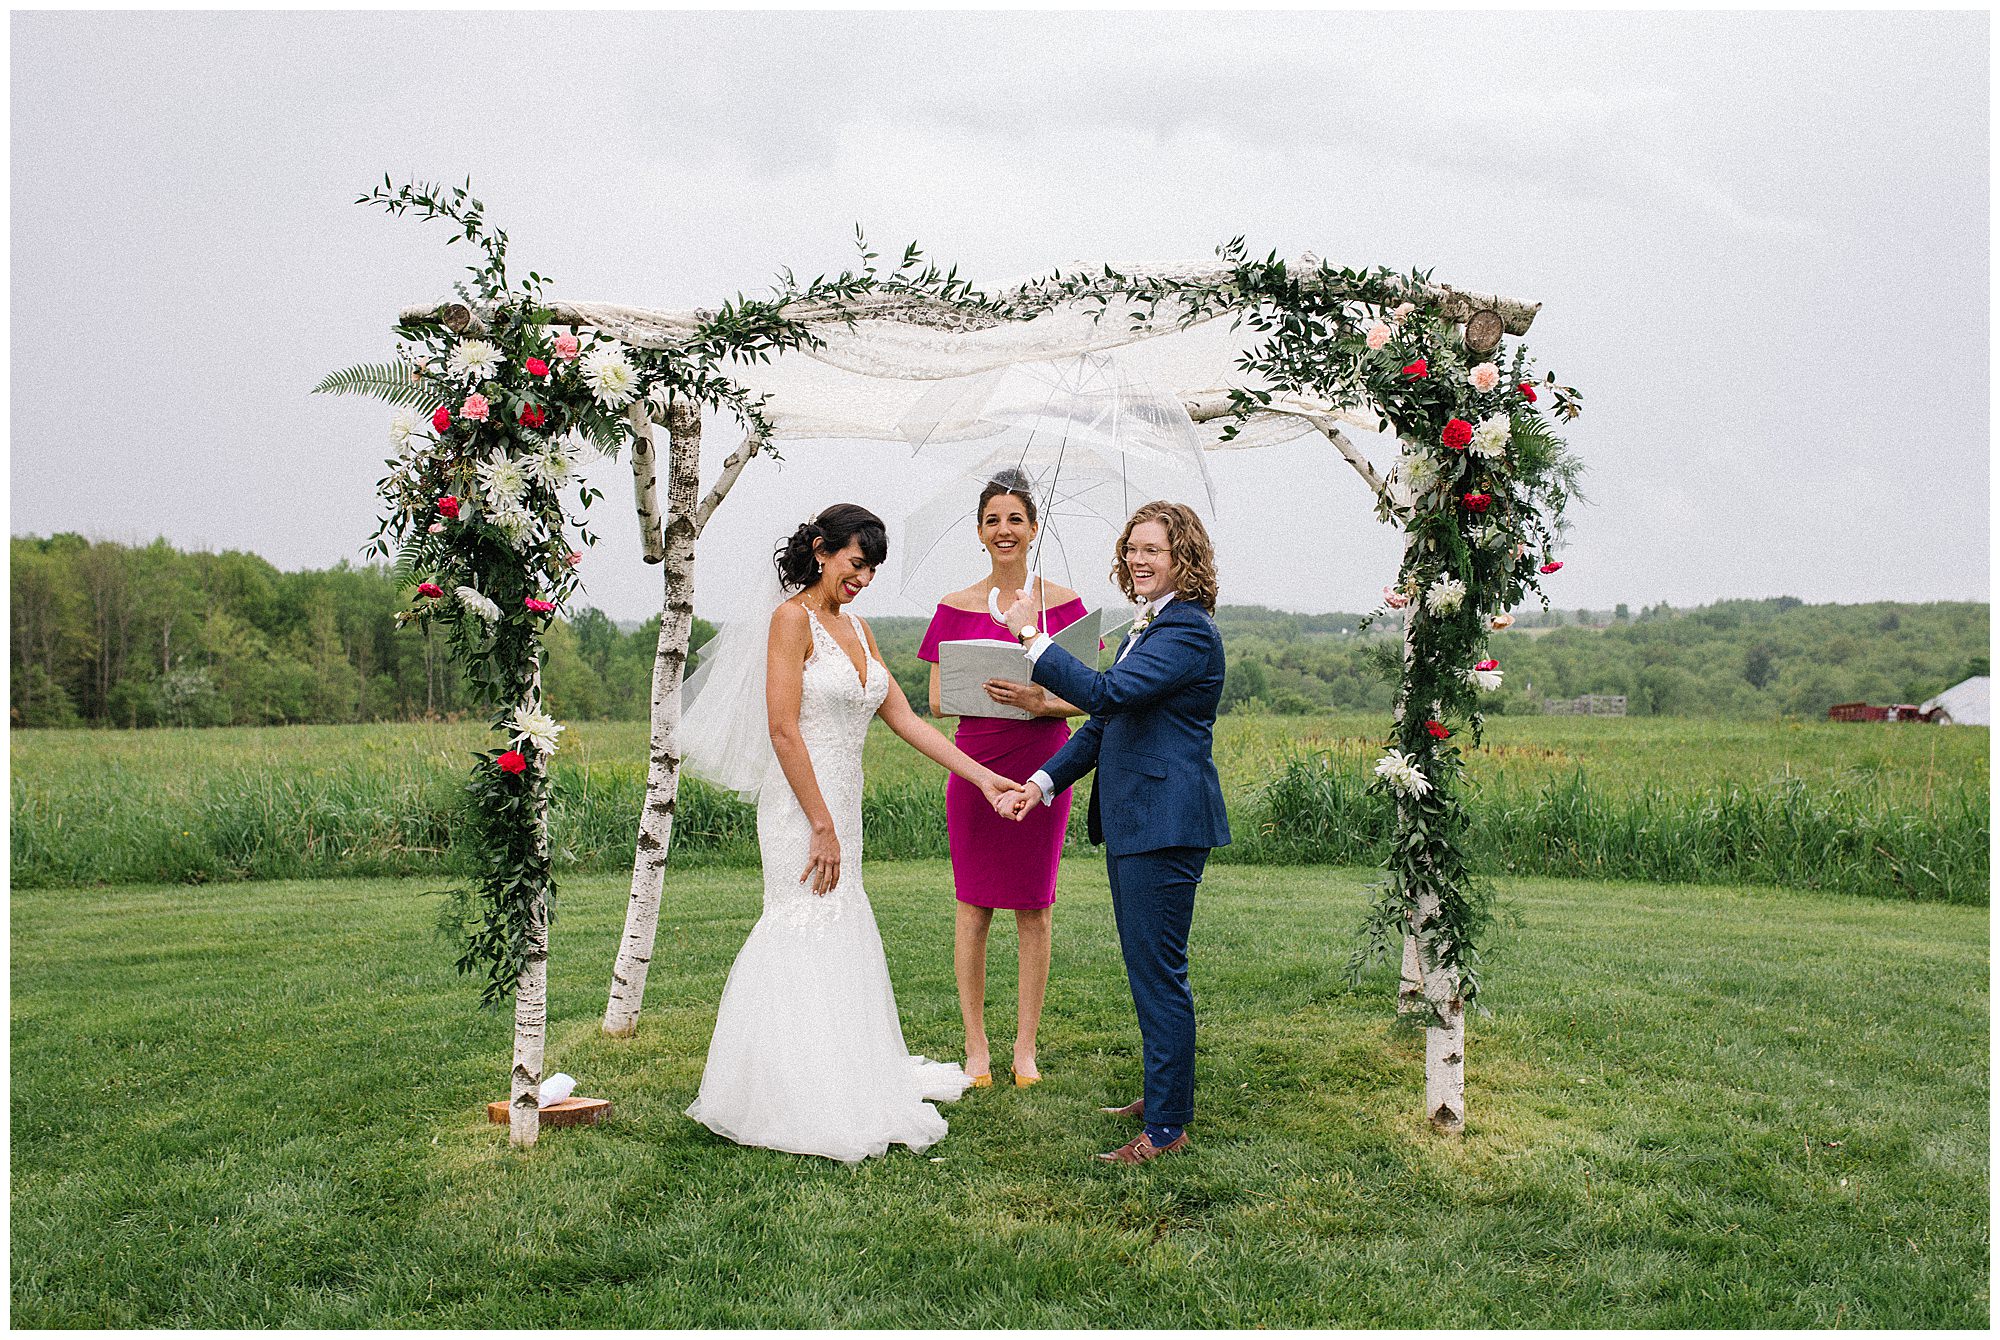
[(448, 504), (1487, 665), (1457, 432), (1478, 502), (1550, 567), (442, 419), (511, 761), (430, 590), (1437, 730), (533, 416), (1528, 391), (537, 368), (1417, 369), (538, 606)]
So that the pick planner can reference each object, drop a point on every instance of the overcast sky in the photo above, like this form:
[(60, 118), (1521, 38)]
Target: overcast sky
[(1760, 242)]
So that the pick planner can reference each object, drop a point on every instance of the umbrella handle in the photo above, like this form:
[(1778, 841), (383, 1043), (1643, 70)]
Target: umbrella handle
[(993, 602)]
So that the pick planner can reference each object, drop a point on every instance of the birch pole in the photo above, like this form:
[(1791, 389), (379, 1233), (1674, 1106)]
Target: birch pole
[(1423, 984), (656, 818), (531, 987)]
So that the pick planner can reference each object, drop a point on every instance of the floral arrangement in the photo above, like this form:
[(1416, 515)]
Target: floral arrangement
[(1479, 492), (492, 420)]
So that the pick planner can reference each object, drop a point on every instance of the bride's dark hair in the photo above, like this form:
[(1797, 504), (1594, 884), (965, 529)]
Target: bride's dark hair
[(834, 529)]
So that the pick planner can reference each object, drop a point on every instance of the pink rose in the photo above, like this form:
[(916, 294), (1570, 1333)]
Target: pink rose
[(1484, 377), (1393, 598), (475, 408), (1378, 335), (1402, 309), (573, 559), (566, 348), (538, 606), (1500, 621), (437, 528)]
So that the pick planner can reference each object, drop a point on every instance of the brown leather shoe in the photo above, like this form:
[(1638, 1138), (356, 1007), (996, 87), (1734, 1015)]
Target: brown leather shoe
[(1141, 1149), (1136, 1108)]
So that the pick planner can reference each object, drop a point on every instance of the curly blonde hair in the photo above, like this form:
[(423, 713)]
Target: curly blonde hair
[(1187, 540)]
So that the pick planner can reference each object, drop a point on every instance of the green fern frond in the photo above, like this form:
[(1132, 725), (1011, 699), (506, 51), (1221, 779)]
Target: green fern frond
[(395, 382)]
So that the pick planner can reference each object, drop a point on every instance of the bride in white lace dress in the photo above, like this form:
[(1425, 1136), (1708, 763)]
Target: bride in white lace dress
[(808, 1053)]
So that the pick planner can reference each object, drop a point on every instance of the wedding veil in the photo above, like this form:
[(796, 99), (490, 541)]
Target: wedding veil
[(725, 731)]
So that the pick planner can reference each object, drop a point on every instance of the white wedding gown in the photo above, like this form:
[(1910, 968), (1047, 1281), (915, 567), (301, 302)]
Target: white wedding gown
[(808, 1052)]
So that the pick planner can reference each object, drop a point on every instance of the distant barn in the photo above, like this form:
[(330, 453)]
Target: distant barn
[(1966, 704)]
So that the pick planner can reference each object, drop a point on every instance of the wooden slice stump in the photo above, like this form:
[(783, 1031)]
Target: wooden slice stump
[(570, 1111)]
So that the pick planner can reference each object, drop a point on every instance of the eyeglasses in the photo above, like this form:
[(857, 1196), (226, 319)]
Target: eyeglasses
[(1152, 553)]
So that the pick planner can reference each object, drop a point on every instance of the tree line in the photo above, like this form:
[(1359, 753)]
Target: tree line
[(116, 635), (107, 634)]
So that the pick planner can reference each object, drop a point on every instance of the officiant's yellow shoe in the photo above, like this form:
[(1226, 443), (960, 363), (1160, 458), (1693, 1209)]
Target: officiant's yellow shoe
[(1022, 1081), (984, 1081)]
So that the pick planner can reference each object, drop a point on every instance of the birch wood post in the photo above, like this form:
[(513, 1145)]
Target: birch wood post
[(1422, 983), (531, 987), (645, 483), (656, 819)]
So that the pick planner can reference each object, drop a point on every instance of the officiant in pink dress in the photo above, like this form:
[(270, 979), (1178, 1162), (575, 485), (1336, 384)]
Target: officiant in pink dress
[(998, 864)]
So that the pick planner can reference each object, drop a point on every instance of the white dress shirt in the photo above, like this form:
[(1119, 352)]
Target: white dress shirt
[(1040, 643)]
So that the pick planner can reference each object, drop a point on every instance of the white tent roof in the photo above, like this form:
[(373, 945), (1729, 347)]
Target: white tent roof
[(1967, 704)]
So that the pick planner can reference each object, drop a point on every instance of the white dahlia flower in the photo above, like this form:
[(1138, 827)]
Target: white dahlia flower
[(533, 726), (401, 424), (1405, 778), (505, 480), (554, 465), (1490, 437), (1418, 470), (611, 379), (1486, 680), (475, 359), (1445, 595), (478, 604)]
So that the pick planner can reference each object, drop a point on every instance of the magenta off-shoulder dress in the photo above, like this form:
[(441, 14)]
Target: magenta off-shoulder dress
[(997, 862)]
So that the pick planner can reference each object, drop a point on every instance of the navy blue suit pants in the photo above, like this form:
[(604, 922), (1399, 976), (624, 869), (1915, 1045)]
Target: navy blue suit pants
[(1152, 898)]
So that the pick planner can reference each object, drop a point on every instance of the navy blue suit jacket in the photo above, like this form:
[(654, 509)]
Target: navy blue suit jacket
[(1151, 735)]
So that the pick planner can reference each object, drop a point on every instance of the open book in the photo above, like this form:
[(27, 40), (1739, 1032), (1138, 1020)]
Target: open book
[(965, 666)]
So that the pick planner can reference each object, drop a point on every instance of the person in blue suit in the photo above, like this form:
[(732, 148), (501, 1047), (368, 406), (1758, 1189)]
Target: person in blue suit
[(1157, 805)]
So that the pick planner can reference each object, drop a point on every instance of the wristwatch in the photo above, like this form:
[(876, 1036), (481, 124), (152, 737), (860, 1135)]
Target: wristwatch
[(1028, 634)]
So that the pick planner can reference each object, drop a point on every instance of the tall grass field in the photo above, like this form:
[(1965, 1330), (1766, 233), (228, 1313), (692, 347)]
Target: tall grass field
[(261, 1104), (1864, 808)]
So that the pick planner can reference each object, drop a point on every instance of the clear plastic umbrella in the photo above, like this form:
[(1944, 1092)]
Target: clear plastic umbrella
[(1094, 442)]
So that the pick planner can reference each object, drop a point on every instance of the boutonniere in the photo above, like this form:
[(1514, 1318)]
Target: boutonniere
[(1141, 620)]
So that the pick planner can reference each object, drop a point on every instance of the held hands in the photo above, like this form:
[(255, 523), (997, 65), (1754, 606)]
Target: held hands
[(1028, 697), (1015, 804), (999, 793), (823, 862)]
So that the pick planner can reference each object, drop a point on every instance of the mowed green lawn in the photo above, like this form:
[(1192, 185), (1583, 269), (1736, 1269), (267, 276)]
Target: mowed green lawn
[(261, 1104)]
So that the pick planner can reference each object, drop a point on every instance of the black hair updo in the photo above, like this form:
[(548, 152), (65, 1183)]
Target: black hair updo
[(834, 529)]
